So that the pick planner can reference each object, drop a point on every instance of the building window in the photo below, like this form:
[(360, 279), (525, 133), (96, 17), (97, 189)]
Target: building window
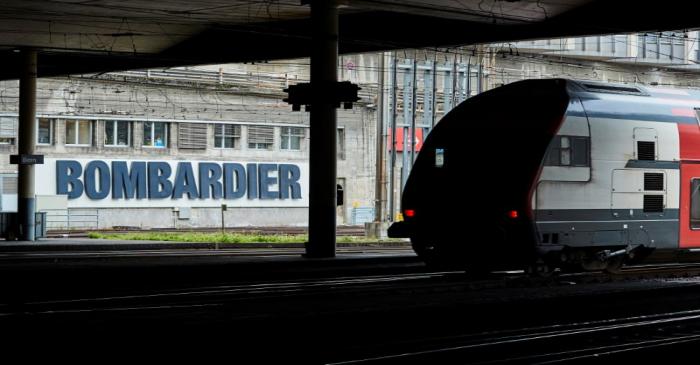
[(226, 135), (155, 134), (651, 46), (78, 132), (341, 143), (117, 133), (8, 130), (44, 131), (568, 151), (260, 137), (192, 136), (291, 138)]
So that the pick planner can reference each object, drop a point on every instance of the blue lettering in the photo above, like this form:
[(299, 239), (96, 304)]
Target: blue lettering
[(67, 174), (252, 181), (125, 183), (185, 182), (141, 179), (209, 176), (90, 178), (234, 180), (266, 180), (159, 186), (289, 179)]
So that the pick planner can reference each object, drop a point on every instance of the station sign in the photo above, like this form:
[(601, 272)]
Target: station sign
[(25, 159)]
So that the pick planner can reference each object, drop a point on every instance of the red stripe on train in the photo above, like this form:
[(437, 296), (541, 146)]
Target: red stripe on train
[(689, 135), (683, 112)]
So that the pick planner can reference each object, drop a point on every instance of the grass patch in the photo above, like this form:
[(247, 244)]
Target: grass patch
[(200, 237), (218, 237)]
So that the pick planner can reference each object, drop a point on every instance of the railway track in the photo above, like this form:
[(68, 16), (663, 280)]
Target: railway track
[(258, 302), (419, 282), (559, 343), (638, 272), (213, 296)]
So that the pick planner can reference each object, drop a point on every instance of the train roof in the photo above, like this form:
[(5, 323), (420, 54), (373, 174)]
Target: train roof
[(605, 88), (634, 101)]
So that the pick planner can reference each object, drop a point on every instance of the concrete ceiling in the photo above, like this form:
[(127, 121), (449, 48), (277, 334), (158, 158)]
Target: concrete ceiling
[(82, 36)]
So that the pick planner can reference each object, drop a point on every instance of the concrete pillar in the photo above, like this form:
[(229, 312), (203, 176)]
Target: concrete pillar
[(323, 120), (26, 142)]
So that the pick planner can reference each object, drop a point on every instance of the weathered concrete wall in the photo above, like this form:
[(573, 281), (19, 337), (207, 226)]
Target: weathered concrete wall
[(201, 217)]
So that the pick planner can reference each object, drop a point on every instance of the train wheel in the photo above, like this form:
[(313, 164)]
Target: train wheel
[(614, 265), (540, 270), (436, 257), (611, 266), (424, 252)]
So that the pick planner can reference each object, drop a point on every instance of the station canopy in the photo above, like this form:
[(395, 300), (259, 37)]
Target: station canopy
[(86, 36)]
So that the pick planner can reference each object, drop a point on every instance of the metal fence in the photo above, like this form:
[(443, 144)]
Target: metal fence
[(72, 218), (362, 215)]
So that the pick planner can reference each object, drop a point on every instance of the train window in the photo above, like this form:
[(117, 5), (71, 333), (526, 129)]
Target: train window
[(568, 151), (695, 204), (580, 151), (565, 151)]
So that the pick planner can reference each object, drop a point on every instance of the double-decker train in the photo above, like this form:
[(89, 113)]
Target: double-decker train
[(558, 173)]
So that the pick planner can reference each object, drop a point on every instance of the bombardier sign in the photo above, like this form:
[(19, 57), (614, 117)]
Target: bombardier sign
[(121, 183)]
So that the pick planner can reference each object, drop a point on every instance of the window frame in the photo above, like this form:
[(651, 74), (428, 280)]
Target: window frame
[(153, 131), (340, 144), (301, 135), (78, 122), (9, 139), (571, 151), (51, 127), (115, 133), (223, 136), (260, 145)]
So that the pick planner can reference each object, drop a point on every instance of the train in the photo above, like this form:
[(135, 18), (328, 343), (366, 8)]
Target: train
[(558, 174)]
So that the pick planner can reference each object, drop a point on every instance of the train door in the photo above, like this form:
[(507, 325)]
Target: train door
[(690, 205)]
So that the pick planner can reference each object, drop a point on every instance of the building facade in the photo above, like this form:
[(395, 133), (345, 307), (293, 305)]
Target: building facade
[(107, 139)]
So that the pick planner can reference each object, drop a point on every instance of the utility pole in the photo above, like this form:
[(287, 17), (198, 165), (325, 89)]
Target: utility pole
[(379, 198), (392, 118), (414, 103)]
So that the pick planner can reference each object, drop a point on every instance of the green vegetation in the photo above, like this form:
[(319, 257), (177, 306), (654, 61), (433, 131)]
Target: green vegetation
[(219, 237)]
